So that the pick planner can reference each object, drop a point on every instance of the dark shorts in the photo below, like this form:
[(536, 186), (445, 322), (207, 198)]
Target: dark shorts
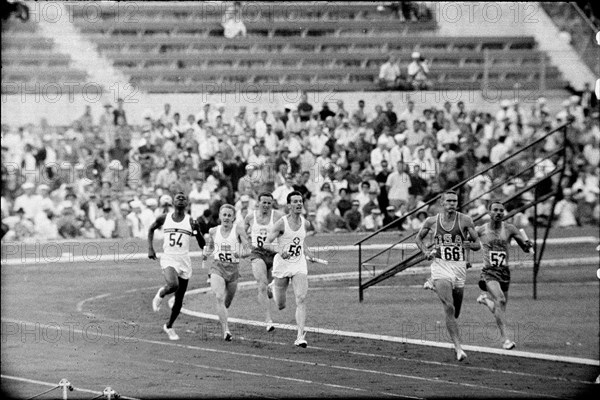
[(228, 271), (265, 255), (490, 277)]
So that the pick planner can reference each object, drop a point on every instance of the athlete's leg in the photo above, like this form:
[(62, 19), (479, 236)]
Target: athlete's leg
[(217, 285), (280, 286), (172, 279), (300, 286), (259, 269), (498, 298), (457, 298), (443, 288), (179, 294), (230, 289)]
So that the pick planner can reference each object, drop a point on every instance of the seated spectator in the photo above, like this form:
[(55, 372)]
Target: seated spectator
[(418, 72), (68, 225), (372, 203), (373, 221), (232, 21), (106, 224), (344, 203), (390, 77), (389, 217), (353, 217), (123, 227), (417, 222), (333, 222)]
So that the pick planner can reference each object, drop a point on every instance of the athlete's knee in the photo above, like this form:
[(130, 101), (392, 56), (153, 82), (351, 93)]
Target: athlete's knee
[(501, 301), (300, 299), (172, 287)]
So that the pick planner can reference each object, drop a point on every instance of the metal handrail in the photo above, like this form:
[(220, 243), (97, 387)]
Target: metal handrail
[(464, 181)]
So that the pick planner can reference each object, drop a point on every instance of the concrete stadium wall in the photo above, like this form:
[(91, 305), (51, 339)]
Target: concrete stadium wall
[(62, 109)]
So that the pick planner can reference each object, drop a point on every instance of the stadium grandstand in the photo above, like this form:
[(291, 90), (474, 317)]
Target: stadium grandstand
[(371, 110)]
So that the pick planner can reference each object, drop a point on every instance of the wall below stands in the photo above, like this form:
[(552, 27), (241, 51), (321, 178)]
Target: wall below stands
[(62, 109)]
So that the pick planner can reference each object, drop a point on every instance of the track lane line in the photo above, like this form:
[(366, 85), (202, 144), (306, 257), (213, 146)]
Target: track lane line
[(301, 362)]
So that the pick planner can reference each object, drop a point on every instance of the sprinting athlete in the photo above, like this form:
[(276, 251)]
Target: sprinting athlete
[(177, 227), (227, 243), (258, 224), (495, 274), (289, 264), (449, 267)]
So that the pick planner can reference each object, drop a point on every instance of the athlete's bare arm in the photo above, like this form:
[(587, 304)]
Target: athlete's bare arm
[(246, 249), (210, 243), (248, 222), (525, 245), (422, 235), (197, 233), (160, 220), (469, 226), (274, 233), (308, 252)]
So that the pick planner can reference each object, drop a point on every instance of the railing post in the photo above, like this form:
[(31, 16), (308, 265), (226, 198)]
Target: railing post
[(535, 252), (360, 289)]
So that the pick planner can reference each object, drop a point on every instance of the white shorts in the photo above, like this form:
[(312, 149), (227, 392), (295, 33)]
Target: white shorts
[(290, 267), (453, 271), (182, 264)]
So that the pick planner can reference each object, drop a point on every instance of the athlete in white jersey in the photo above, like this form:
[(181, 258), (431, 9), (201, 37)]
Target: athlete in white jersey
[(259, 223), (178, 227), (227, 243), (289, 263), (449, 266)]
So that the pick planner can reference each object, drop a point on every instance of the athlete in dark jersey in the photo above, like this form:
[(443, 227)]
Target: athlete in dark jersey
[(448, 269), (495, 275)]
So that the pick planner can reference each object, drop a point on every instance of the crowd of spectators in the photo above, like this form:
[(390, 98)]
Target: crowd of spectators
[(358, 167)]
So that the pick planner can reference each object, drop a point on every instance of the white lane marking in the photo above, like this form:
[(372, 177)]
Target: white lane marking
[(260, 356), (307, 381), (428, 362), (36, 382), (396, 339), (70, 258)]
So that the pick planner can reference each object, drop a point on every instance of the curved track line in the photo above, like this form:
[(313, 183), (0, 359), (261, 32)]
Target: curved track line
[(397, 339), (286, 360)]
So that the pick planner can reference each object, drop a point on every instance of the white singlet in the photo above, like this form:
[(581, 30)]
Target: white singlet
[(227, 249), (258, 232), (176, 245), (292, 242)]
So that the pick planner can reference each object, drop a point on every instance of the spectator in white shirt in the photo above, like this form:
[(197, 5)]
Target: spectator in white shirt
[(379, 154), (418, 72), (389, 74), (105, 224), (261, 126), (499, 151)]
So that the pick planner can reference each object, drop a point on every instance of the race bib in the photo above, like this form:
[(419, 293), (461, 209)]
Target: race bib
[(497, 259), (452, 253)]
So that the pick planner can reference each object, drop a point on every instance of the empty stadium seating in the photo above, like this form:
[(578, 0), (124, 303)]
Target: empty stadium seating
[(179, 47)]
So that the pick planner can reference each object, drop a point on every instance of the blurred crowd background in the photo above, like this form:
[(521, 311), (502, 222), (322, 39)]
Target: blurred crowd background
[(359, 166)]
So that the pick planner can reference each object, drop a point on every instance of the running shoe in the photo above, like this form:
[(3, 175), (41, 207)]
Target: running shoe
[(429, 284), (156, 301), (508, 344), (270, 327), (482, 299), (461, 355), (170, 332), (301, 342), (227, 337)]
